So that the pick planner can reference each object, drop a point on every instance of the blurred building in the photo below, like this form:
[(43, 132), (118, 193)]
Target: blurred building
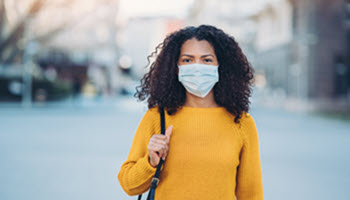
[(299, 49), (263, 29), (272, 60), (90, 42), (141, 28), (141, 35), (320, 47), (345, 81), (74, 41)]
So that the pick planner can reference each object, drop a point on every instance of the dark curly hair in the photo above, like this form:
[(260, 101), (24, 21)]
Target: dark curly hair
[(160, 86)]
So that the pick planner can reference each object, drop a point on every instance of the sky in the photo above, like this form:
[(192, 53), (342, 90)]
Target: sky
[(136, 8)]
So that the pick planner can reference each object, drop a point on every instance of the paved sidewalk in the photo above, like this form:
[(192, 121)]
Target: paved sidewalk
[(72, 151)]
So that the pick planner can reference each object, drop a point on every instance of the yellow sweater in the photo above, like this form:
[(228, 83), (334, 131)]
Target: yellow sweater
[(209, 158)]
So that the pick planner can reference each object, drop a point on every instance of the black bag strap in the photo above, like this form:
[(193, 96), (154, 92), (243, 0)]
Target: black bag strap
[(155, 179)]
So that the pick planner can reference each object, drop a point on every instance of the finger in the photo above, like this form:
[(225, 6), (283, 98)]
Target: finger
[(165, 152), (153, 154), (158, 142), (159, 136), (155, 151), (161, 149), (153, 159), (161, 142), (164, 157), (159, 145), (169, 130), (168, 133)]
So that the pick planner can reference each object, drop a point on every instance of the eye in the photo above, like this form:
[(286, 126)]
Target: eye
[(186, 60), (208, 60)]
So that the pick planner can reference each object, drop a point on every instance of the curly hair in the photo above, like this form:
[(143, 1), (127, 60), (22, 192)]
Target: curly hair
[(160, 86)]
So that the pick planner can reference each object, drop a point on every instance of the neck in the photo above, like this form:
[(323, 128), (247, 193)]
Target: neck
[(195, 101)]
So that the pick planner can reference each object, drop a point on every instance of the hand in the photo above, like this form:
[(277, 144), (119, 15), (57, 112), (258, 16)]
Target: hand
[(158, 147)]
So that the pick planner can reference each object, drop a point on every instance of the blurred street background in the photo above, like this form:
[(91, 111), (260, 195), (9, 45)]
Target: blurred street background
[(69, 68)]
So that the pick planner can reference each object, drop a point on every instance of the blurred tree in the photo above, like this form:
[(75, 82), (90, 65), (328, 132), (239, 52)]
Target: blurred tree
[(12, 42)]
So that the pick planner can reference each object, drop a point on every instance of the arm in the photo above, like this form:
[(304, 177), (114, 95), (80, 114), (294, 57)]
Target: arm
[(136, 172), (249, 175)]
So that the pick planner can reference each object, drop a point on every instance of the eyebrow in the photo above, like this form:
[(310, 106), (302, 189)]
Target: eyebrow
[(193, 56)]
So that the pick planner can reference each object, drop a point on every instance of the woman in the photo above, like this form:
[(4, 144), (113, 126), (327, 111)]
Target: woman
[(210, 150)]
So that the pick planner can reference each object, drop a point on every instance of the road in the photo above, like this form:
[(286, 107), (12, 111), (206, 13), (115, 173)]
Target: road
[(75, 152)]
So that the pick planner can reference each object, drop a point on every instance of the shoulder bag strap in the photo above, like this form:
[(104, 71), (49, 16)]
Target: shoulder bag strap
[(155, 179)]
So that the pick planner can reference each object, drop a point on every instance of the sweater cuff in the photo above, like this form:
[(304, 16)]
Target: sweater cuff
[(147, 167)]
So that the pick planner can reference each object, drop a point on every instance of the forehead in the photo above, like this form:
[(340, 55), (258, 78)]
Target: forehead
[(193, 46)]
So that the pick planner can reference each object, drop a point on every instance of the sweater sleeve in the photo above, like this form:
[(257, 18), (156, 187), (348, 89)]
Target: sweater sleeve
[(136, 172), (249, 176)]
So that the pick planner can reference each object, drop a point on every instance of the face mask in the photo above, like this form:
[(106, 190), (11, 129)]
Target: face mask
[(198, 79)]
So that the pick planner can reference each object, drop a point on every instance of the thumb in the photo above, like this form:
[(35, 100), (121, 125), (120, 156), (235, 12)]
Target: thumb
[(168, 131), (153, 154)]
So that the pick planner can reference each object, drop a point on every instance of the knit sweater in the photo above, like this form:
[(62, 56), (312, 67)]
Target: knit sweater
[(210, 157)]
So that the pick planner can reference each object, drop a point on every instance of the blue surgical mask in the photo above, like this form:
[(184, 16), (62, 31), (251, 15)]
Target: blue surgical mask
[(198, 79)]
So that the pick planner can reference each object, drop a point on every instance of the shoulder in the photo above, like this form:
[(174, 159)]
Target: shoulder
[(248, 126), (149, 122), (247, 119), (151, 113)]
